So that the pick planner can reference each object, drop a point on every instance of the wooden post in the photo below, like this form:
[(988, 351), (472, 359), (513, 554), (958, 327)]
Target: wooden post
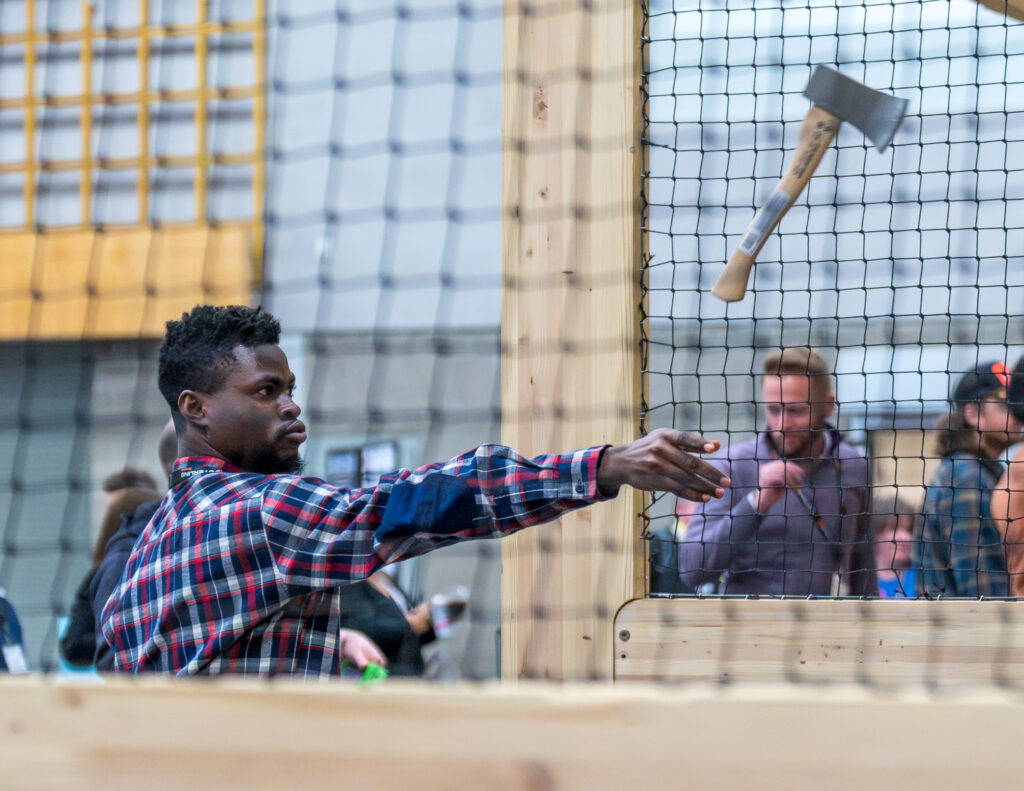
[(571, 316), (161, 734)]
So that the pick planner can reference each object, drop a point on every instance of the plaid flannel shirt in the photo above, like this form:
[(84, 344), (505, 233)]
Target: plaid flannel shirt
[(960, 552), (239, 572)]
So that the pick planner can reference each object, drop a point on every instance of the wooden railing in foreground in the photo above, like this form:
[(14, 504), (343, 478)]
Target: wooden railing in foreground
[(876, 643), (158, 734)]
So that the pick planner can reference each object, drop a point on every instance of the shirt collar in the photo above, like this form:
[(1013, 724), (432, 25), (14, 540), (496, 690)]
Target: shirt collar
[(995, 467), (188, 467)]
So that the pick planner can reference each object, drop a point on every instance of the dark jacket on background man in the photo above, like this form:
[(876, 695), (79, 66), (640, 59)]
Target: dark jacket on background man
[(78, 644), (108, 574), (367, 610), (786, 551)]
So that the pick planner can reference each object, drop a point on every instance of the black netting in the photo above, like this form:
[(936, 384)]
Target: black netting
[(898, 267)]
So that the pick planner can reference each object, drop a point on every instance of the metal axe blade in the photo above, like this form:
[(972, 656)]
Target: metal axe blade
[(874, 113)]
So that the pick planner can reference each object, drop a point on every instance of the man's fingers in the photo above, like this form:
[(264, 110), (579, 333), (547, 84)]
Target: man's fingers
[(685, 490), (690, 494), (694, 465), (691, 487), (695, 443), (707, 483)]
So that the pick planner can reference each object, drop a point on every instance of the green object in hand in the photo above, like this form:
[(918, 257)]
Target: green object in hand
[(373, 673)]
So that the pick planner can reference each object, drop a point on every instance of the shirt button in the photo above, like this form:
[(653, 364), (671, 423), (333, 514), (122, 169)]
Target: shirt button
[(579, 488)]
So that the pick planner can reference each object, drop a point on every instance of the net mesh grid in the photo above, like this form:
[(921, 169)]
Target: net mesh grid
[(899, 267), (383, 162), (911, 282)]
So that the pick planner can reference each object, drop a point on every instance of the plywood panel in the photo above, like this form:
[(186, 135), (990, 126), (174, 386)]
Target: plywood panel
[(17, 256), (117, 283), (160, 734), (571, 317), (883, 642), (60, 274)]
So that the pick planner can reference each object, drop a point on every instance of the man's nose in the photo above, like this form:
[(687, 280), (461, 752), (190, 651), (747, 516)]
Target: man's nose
[(289, 408)]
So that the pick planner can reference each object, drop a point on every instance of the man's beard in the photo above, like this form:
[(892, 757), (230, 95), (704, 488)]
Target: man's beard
[(269, 463), (803, 450)]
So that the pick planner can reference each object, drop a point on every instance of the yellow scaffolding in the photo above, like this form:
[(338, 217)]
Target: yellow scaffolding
[(37, 293)]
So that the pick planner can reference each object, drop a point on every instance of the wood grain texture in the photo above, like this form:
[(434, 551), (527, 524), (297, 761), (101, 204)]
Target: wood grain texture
[(117, 283), (881, 642), (1010, 8), (571, 316), (160, 734), (816, 134)]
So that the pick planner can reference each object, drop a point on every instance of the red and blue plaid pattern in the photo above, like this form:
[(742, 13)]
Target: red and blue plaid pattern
[(239, 572)]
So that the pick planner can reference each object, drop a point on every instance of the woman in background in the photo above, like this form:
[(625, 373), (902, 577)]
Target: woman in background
[(78, 645)]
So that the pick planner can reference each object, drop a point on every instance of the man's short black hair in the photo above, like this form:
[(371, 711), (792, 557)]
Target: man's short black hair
[(199, 348)]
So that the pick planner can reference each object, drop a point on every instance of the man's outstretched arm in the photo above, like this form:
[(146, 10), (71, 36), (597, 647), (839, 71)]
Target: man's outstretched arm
[(321, 536)]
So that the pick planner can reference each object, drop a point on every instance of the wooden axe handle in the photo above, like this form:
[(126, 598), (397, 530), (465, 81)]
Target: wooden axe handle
[(819, 128)]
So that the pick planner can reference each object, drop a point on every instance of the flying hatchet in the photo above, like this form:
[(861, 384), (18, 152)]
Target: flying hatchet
[(834, 99)]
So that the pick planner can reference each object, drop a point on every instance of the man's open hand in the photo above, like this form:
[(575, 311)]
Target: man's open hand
[(663, 461)]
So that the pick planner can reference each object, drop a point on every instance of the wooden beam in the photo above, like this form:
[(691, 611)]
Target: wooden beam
[(158, 734), (142, 116), (202, 62), (882, 642), (85, 115), (571, 315), (29, 130), (118, 283)]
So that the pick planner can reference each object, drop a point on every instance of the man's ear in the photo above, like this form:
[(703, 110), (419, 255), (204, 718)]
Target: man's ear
[(825, 404), (192, 406), (830, 404), (970, 413)]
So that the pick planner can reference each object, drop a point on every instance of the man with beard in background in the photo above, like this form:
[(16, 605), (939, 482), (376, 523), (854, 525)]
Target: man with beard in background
[(797, 518)]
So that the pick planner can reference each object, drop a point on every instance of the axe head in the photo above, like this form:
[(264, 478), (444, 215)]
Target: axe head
[(874, 113)]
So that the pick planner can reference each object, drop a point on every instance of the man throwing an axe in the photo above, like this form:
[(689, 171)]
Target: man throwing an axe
[(240, 568)]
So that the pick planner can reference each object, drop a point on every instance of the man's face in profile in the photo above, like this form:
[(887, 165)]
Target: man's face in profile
[(796, 407), (251, 418)]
